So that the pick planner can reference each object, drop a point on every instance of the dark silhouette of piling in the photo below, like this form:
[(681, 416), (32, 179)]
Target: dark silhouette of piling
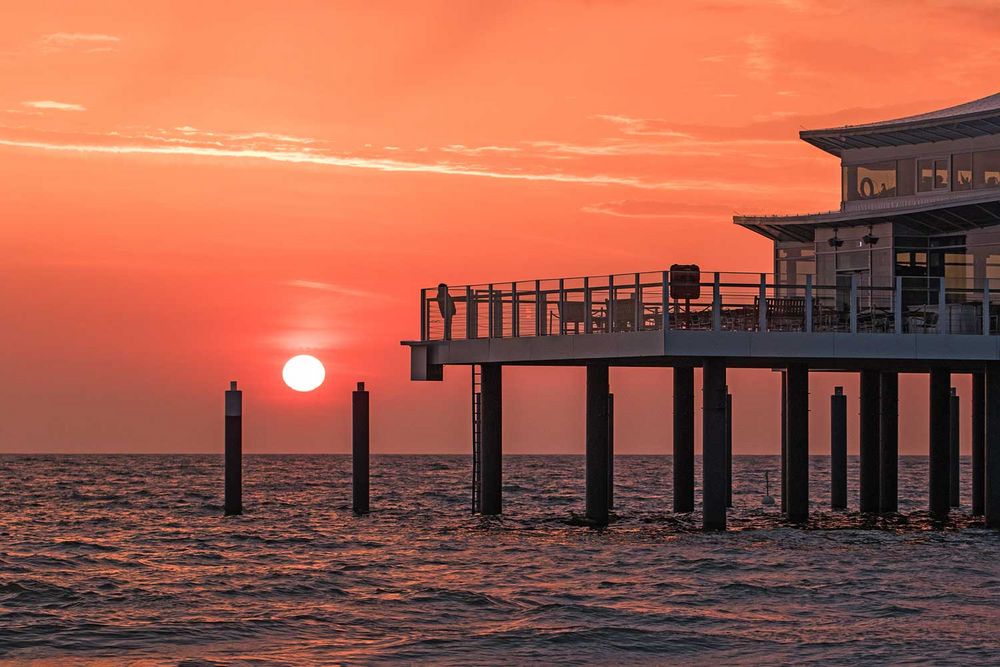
[(683, 439), (838, 449), (360, 449), (978, 443), (954, 432), (713, 459), (940, 428), (729, 449), (888, 434), (869, 440), (798, 443), (611, 451), (991, 502), (491, 455), (597, 444), (234, 451), (784, 441)]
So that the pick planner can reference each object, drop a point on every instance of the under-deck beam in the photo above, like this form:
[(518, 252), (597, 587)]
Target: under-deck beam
[(713, 459), (869, 441), (798, 442), (597, 443), (491, 479), (888, 434), (940, 427), (683, 439)]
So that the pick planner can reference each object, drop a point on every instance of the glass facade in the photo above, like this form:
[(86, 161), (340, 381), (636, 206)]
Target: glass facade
[(942, 173), (986, 169)]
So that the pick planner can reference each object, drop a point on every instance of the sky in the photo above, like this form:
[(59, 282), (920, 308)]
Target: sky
[(193, 192)]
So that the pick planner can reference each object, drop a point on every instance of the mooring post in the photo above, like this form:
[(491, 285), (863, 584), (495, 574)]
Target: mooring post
[(713, 458), (954, 433), (491, 454), (798, 442), (611, 451), (888, 434), (597, 444), (940, 435), (784, 441), (838, 449), (360, 449), (234, 451), (991, 503), (683, 439), (729, 449), (978, 442), (869, 441)]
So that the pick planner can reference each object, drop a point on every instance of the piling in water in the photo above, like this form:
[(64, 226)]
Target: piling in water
[(798, 442), (683, 439), (713, 460), (611, 451), (360, 450), (991, 473), (234, 451), (491, 456), (838, 449), (729, 449), (940, 427), (978, 443), (954, 432), (597, 444), (888, 434), (869, 442)]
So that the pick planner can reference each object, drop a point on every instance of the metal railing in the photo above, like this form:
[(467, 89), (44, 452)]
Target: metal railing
[(717, 301)]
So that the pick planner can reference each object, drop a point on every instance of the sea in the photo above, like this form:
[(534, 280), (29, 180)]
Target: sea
[(128, 560)]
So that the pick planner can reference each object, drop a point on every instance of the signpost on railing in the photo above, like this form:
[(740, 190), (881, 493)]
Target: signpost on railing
[(854, 303), (716, 305), (897, 305), (762, 305), (809, 303), (425, 333)]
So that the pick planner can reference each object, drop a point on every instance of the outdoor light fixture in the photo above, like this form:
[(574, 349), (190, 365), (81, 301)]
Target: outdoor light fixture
[(869, 239), (835, 242)]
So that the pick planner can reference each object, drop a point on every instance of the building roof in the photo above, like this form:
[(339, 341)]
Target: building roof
[(928, 214), (973, 119)]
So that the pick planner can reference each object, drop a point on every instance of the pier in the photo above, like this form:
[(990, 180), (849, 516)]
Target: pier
[(898, 280)]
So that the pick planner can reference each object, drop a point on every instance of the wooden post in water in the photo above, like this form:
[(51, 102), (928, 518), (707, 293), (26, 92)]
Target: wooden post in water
[(233, 458), (611, 451), (978, 442), (713, 458), (888, 433), (683, 439), (940, 427), (869, 441), (954, 432), (360, 450), (991, 472), (798, 443), (597, 444), (838, 449), (729, 449)]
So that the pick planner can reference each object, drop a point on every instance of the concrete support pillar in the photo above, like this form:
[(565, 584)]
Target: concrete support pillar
[(234, 451), (954, 434), (991, 477), (784, 441), (869, 440), (597, 443), (360, 450), (838, 449), (940, 427), (798, 442), (729, 449), (683, 439), (491, 453), (713, 459), (888, 434), (978, 442), (611, 451)]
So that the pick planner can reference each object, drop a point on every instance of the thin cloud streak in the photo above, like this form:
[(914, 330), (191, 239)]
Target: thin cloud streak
[(51, 105)]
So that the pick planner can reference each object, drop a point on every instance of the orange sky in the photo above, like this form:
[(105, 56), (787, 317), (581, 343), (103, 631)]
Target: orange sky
[(196, 191)]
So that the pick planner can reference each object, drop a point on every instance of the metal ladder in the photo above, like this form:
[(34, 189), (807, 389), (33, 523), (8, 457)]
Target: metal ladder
[(477, 434)]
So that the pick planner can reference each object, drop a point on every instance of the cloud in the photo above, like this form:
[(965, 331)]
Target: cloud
[(89, 42), (656, 127), (50, 105), (330, 287), (650, 208)]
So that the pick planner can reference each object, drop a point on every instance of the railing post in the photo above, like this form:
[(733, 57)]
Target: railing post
[(665, 300), (716, 305), (809, 303), (588, 314), (762, 305), (942, 308), (637, 297), (540, 309), (986, 306), (424, 333), (854, 303), (897, 306), (490, 313), (515, 311), (562, 306), (611, 303), (471, 314)]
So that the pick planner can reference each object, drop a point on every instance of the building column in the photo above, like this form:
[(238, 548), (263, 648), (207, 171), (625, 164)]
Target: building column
[(784, 441), (888, 435), (491, 453), (729, 449), (940, 428), (869, 441), (978, 442), (838, 449), (597, 443), (713, 458), (683, 439), (954, 434), (798, 442), (991, 469)]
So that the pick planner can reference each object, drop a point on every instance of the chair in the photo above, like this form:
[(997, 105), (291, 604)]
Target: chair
[(572, 312)]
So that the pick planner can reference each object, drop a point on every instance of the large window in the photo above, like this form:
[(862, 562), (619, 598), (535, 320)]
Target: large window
[(961, 165), (870, 181), (986, 169), (932, 174)]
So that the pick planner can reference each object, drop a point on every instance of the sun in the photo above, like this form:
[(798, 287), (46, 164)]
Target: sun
[(303, 372)]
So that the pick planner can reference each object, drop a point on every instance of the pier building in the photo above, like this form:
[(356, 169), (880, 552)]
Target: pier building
[(903, 278)]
